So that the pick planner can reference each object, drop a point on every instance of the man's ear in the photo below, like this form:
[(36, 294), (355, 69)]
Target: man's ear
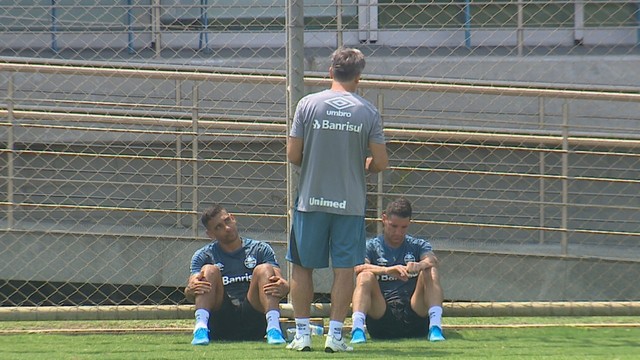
[(331, 72)]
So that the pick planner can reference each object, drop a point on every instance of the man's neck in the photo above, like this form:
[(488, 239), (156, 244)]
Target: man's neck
[(232, 246), (344, 87), (392, 245)]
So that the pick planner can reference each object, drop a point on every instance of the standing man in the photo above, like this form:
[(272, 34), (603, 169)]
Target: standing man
[(397, 289), (236, 285), (333, 133)]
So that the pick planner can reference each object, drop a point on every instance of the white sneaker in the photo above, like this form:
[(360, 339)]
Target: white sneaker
[(332, 345), (302, 343)]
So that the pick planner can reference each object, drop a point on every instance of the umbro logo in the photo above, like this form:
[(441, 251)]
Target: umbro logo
[(339, 103)]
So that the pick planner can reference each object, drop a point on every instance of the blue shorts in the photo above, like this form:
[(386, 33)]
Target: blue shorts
[(316, 235)]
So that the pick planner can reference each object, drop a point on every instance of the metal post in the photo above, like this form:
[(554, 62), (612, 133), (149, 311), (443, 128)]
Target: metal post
[(10, 154), (364, 21), (565, 177), (638, 23), (54, 26), (467, 24), (373, 21), (203, 41), (578, 22), (339, 35), (179, 188), (368, 21), (295, 54), (520, 28), (155, 27), (295, 86), (130, 49), (380, 203), (194, 156), (295, 71), (541, 170)]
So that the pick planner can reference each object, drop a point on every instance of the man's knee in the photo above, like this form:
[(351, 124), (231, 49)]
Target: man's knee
[(366, 279), (211, 272), (213, 297), (264, 268), (262, 272)]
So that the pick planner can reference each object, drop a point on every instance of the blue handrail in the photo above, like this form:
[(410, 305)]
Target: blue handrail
[(203, 41), (54, 26)]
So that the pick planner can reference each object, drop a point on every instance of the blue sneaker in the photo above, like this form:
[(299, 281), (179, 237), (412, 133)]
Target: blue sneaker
[(200, 337), (435, 334), (358, 337), (274, 337)]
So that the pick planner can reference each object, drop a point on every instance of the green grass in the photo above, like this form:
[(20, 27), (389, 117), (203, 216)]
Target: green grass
[(549, 342)]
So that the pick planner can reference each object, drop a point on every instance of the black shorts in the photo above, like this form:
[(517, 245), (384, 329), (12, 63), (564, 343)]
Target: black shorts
[(398, 321), (237, 320)]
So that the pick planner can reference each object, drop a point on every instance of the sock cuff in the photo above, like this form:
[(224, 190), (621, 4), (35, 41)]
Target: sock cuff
[(435, 309), (359, 314)]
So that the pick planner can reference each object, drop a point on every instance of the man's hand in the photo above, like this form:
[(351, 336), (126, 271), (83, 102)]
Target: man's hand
[(399, 272), (277, 287), (199, 284), (413, 267), (429, 261), (367, 162)]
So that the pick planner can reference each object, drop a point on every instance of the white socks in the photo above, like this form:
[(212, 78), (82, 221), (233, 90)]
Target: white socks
[(435, 316), (335, 329), (273, 320), (358, 319), (202, 319), (302, 326)]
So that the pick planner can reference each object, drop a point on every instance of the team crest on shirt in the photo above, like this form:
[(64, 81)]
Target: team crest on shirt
[(408, 257), (250, 262), (219, 265), (381, 261)]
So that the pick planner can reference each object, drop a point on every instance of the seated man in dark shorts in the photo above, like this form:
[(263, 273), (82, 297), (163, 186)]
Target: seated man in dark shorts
[(397, 291), (236, 285)]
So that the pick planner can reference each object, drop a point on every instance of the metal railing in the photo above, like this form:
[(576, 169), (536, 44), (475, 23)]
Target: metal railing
[(140, 25)]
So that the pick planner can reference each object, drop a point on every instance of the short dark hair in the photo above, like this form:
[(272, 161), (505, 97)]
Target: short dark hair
[(347, 64), (399, 207), (210, 213)]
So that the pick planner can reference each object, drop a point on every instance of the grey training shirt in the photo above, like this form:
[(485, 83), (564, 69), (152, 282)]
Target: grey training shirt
[(337, 128)]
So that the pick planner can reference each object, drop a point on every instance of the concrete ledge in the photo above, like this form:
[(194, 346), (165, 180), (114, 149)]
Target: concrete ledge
[(320, 310)]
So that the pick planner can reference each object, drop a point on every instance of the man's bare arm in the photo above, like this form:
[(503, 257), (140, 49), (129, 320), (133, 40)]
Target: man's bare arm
[(294, 150), (379, 160)]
